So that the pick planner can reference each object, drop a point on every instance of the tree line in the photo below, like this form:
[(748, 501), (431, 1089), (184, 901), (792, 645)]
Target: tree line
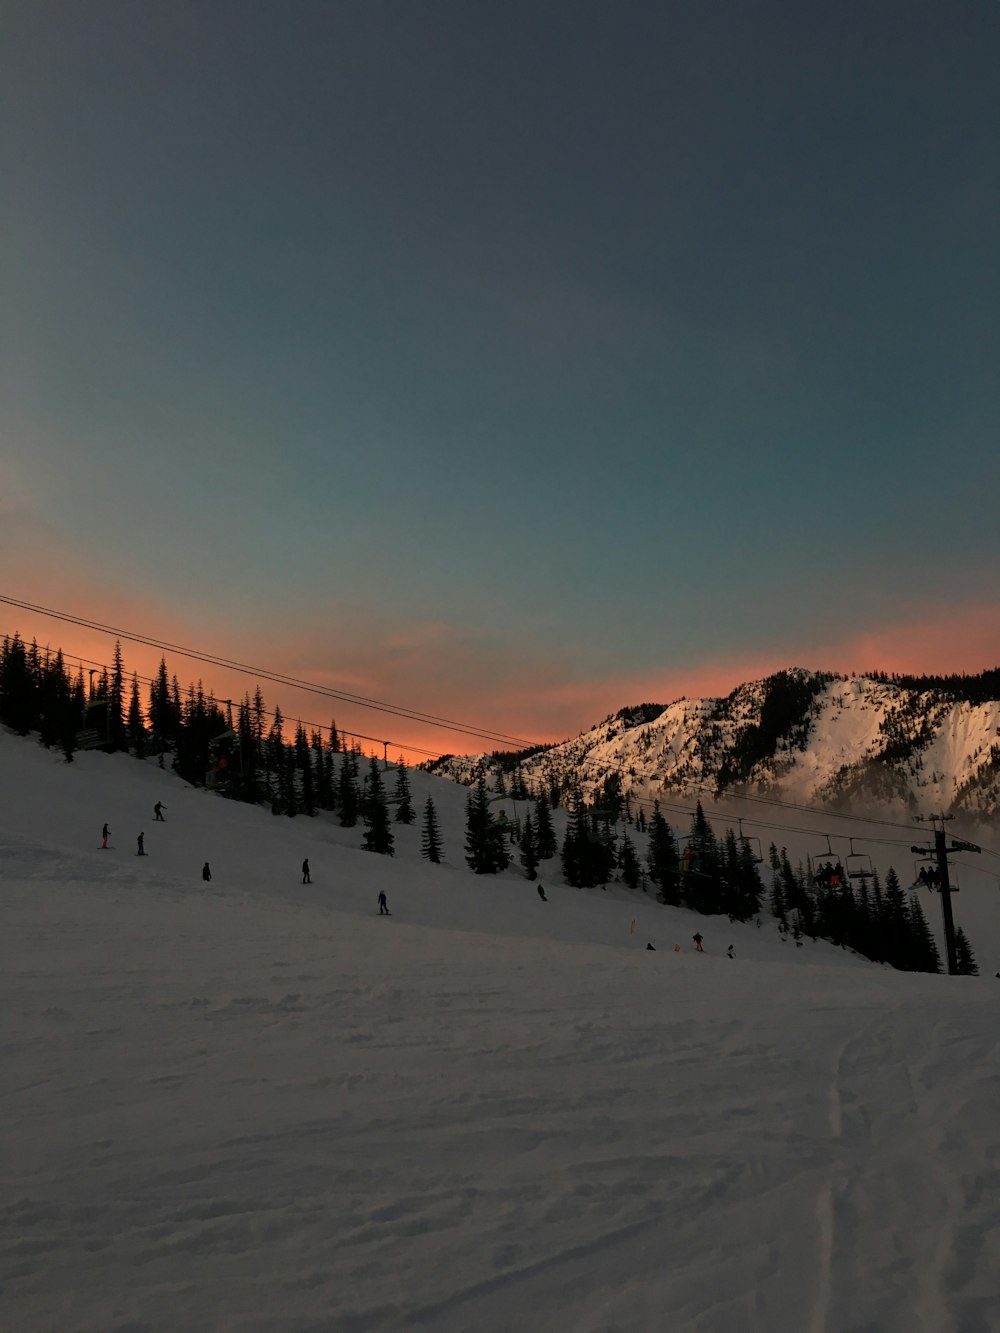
[(248, 756)]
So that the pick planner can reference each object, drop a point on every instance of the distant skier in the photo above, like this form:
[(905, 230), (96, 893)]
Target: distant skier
[(305, 872), (158, 810), (206, 873), (140, 850), (650, 948), (730, 953), (541, 894), (697, 942), (105, 835), (383, 910)]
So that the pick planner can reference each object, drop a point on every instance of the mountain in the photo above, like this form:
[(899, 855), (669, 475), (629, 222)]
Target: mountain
[(927, 744)]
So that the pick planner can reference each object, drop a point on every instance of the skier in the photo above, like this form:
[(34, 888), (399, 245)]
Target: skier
[(697, 942), (730, 953), (206, 873), (105, 834), (382, 908), (140, 851), (541, 894), (650, 948), (158, 810), (305, 872)]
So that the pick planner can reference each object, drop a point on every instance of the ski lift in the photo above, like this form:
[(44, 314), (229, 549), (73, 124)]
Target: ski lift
[(826, 868), (926, 875), (859, 866), (752, 845)]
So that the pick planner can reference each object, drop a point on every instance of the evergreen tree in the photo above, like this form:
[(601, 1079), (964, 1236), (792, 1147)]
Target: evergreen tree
[(430, 843), (405, 814), (378, 830), (16, 687), (924, 956), (895, 922), (485, 850), (303, 762), (544, 832), (159, 709), (348, 799), (778, 905), (136, 729), (115, 695), (965, 962), (630, 868), (529, 848), (661, 857)]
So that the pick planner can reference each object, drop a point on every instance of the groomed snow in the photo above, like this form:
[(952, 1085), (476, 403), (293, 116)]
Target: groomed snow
[(256, 1105)]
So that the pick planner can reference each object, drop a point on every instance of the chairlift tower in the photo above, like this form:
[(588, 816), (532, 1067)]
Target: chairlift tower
[(940, 850)]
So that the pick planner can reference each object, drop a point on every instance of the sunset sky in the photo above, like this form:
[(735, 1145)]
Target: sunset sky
[(512, 362)]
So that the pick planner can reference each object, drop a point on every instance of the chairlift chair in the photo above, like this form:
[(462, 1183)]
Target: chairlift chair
[(823, 861), (857, 864), (751, 844)]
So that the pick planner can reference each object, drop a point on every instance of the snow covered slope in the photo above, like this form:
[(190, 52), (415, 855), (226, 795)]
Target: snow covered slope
[(256, 1105), (856, 744)]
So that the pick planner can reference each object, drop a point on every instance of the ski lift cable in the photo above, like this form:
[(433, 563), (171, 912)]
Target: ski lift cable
[(213, 659)]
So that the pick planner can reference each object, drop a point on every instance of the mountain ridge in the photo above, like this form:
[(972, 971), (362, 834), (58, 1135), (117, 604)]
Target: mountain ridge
[(820, 737)]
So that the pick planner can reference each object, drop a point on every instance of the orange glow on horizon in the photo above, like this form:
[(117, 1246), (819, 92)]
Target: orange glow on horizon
[(454, 678)]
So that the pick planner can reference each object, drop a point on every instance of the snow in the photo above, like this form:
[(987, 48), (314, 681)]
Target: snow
[(256, 1105)]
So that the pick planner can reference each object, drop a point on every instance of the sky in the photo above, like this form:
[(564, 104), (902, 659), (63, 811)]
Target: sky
[(509, 363)]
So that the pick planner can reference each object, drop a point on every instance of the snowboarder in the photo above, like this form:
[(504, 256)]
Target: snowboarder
[(541, 894), (730, 953), (305, 872), (140, 850), (650, 948), (382, 908), (206, 873), (697, 942), (158, 810), (105, 835)]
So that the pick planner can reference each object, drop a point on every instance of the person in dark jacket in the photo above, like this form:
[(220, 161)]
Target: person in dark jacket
[(105, 835), (140, 850), (158, 810), (206, 873), (697, 942), (305, 872), (541, 894), (383, 910)]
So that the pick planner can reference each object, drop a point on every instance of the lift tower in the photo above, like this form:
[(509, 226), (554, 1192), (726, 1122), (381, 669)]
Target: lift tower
[(940, 850)]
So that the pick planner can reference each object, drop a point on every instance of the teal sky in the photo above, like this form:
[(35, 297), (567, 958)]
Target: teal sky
[(488, 353)]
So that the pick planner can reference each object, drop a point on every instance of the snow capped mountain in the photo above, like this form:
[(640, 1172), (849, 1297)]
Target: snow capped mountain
[(800, 735)]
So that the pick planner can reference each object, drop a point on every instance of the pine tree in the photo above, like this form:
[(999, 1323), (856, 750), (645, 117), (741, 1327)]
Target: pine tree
[(115, 695), (136, 729), (661, 857), (485, 850), (924, 951), (303, 762), (895, 922), (529, 848), (544, 832), (348, 800), (378, 831), (630, 868), (430, 843), (405, 814), (965, 963)]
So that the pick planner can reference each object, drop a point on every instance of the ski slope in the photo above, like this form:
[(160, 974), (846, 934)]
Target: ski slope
[(255, 1105)]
